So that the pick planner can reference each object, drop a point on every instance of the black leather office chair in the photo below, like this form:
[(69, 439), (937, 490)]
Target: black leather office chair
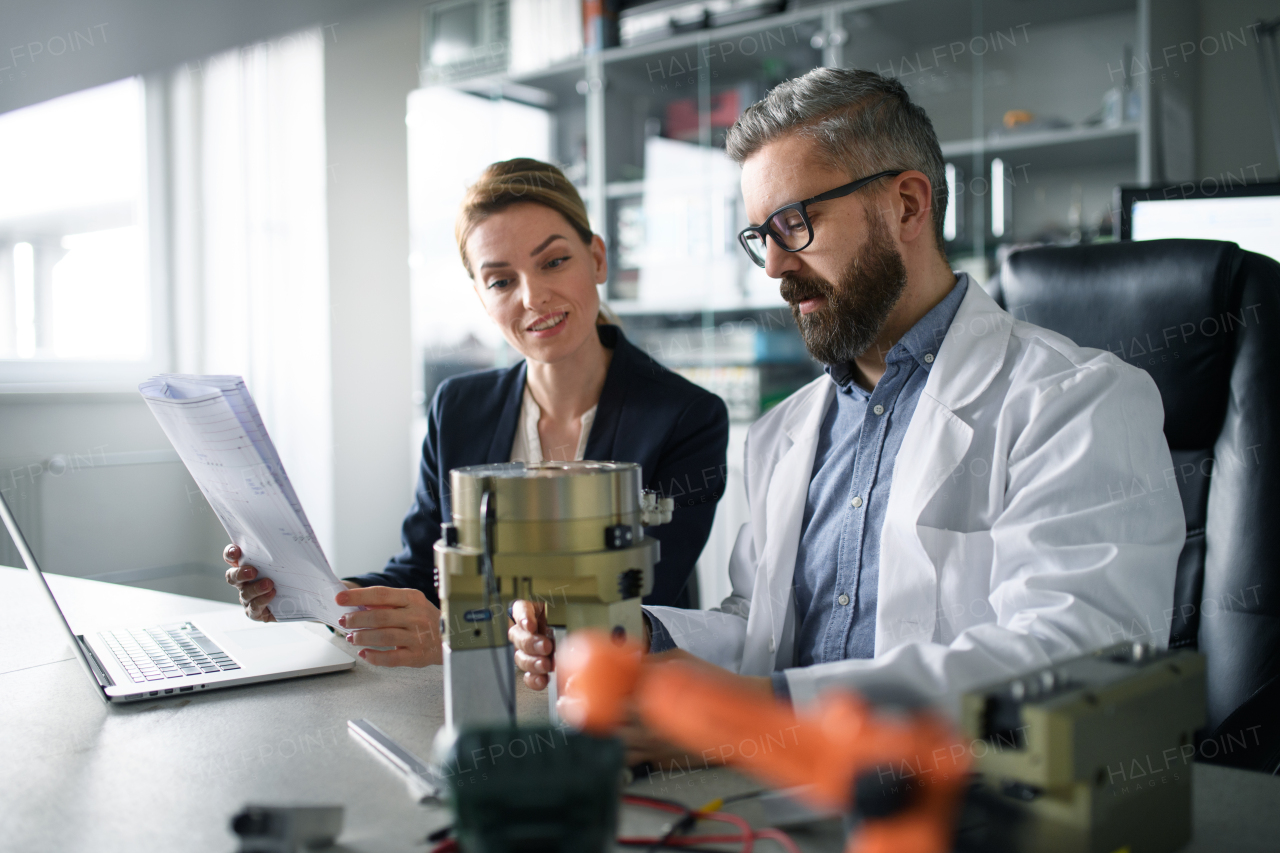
[(1203, 318)]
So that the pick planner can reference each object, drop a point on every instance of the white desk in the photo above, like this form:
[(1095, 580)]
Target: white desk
[(167, 775)]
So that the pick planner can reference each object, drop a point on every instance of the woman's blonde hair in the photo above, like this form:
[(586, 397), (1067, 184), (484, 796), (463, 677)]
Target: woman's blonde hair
[(513, 181)]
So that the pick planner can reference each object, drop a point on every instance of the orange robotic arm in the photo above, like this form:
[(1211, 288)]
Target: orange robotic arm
[(904, 775)]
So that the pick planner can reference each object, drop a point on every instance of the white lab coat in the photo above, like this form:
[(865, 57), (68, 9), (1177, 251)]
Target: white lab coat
[(1033, 516)]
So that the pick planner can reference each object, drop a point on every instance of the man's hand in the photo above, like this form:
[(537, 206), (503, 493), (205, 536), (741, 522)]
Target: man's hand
[(255, 595), (401, 619), (533, 643), (642, 745)]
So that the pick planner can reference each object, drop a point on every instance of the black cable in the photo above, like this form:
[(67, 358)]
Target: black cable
[(680, 827), (507, 687), (685, 822), (689, 819)]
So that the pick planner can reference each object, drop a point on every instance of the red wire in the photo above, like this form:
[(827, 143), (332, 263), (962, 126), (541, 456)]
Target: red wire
[(688, 840), (783, 840), (747, 837)]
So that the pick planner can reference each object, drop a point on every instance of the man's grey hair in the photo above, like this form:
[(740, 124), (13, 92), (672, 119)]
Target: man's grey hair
[(862, 123)]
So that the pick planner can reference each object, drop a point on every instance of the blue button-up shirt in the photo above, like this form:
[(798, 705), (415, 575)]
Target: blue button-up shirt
[(838, 563), (837, 569)]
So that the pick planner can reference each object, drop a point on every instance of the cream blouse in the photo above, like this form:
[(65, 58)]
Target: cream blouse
[(527, 446)]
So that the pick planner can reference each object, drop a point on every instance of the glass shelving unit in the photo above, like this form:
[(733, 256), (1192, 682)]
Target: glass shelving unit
[(640, 129), (1016, 89)]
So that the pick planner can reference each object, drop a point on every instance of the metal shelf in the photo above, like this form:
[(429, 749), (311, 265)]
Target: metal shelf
[(1090, 144), (624, 189)]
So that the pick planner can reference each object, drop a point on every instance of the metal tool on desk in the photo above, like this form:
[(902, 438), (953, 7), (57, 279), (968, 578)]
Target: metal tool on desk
[(1096, 751), (423, 781), (568, 534)]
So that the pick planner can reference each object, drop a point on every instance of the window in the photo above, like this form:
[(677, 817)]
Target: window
[(77, 300)]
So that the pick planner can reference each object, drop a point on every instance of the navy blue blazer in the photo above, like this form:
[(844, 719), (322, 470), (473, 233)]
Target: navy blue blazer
[(676, 431)]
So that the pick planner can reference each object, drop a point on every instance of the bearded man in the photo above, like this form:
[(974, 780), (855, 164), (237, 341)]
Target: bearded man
[(951, 504)]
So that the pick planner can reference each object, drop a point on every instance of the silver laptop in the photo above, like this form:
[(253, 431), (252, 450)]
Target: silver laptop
[(204, 652)]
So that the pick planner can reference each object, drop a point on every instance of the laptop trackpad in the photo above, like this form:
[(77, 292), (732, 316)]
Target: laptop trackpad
[(264, 637)]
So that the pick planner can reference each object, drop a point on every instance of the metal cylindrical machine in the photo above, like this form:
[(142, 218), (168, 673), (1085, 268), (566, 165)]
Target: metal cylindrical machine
[(567, 534)]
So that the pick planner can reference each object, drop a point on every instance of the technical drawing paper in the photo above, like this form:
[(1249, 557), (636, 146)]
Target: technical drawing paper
[(216, 429)]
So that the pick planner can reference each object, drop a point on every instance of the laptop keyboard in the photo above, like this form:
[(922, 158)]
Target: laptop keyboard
[(155, 654)]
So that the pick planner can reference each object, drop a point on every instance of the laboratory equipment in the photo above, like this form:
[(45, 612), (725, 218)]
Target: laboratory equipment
[(514, 790), (1090, 755), (1095, 751), (568, 534)]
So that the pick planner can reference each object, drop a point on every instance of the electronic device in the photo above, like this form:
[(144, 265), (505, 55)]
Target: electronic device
[(1096, 751), (1247, 214), (1089, 755), (567, 534), (463, 38), (641, 23), (903, 774), (515, 790), (205, 651)]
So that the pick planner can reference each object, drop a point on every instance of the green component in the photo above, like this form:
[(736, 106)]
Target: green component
[(533, 790)]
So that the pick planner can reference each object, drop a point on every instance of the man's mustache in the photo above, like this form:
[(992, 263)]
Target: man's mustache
[(795, 290)]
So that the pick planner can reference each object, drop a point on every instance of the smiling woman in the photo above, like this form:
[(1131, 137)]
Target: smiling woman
[(582, 391)]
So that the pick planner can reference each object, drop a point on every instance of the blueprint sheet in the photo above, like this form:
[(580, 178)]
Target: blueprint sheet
[(217, 431)]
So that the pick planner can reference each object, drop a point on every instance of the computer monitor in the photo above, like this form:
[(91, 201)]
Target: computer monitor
[(1246, 214)]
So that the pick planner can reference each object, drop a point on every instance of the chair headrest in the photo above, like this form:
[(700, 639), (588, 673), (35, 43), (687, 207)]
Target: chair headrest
[(1171, 307)]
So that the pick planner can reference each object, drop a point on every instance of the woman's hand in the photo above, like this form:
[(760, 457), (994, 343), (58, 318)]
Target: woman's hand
[(255, 595), (401, 619)]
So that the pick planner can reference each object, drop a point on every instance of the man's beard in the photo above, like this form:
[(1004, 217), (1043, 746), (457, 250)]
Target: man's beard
[(857, 306)]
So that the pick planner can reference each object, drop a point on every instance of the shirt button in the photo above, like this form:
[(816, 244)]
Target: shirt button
[(928, 358), (856, 502), (879, 409), (844, 600)]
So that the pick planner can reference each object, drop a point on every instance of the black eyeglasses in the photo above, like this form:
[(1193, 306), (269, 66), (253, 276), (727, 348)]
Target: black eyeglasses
[(790, 227)]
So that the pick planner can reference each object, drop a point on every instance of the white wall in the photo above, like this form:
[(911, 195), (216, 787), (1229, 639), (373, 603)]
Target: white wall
[(369, 71), (98, 490), (54, 47), (145, 517), (1233, 132)]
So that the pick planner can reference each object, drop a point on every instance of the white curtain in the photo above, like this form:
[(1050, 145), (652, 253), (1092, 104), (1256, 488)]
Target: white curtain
[(250, 250)]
